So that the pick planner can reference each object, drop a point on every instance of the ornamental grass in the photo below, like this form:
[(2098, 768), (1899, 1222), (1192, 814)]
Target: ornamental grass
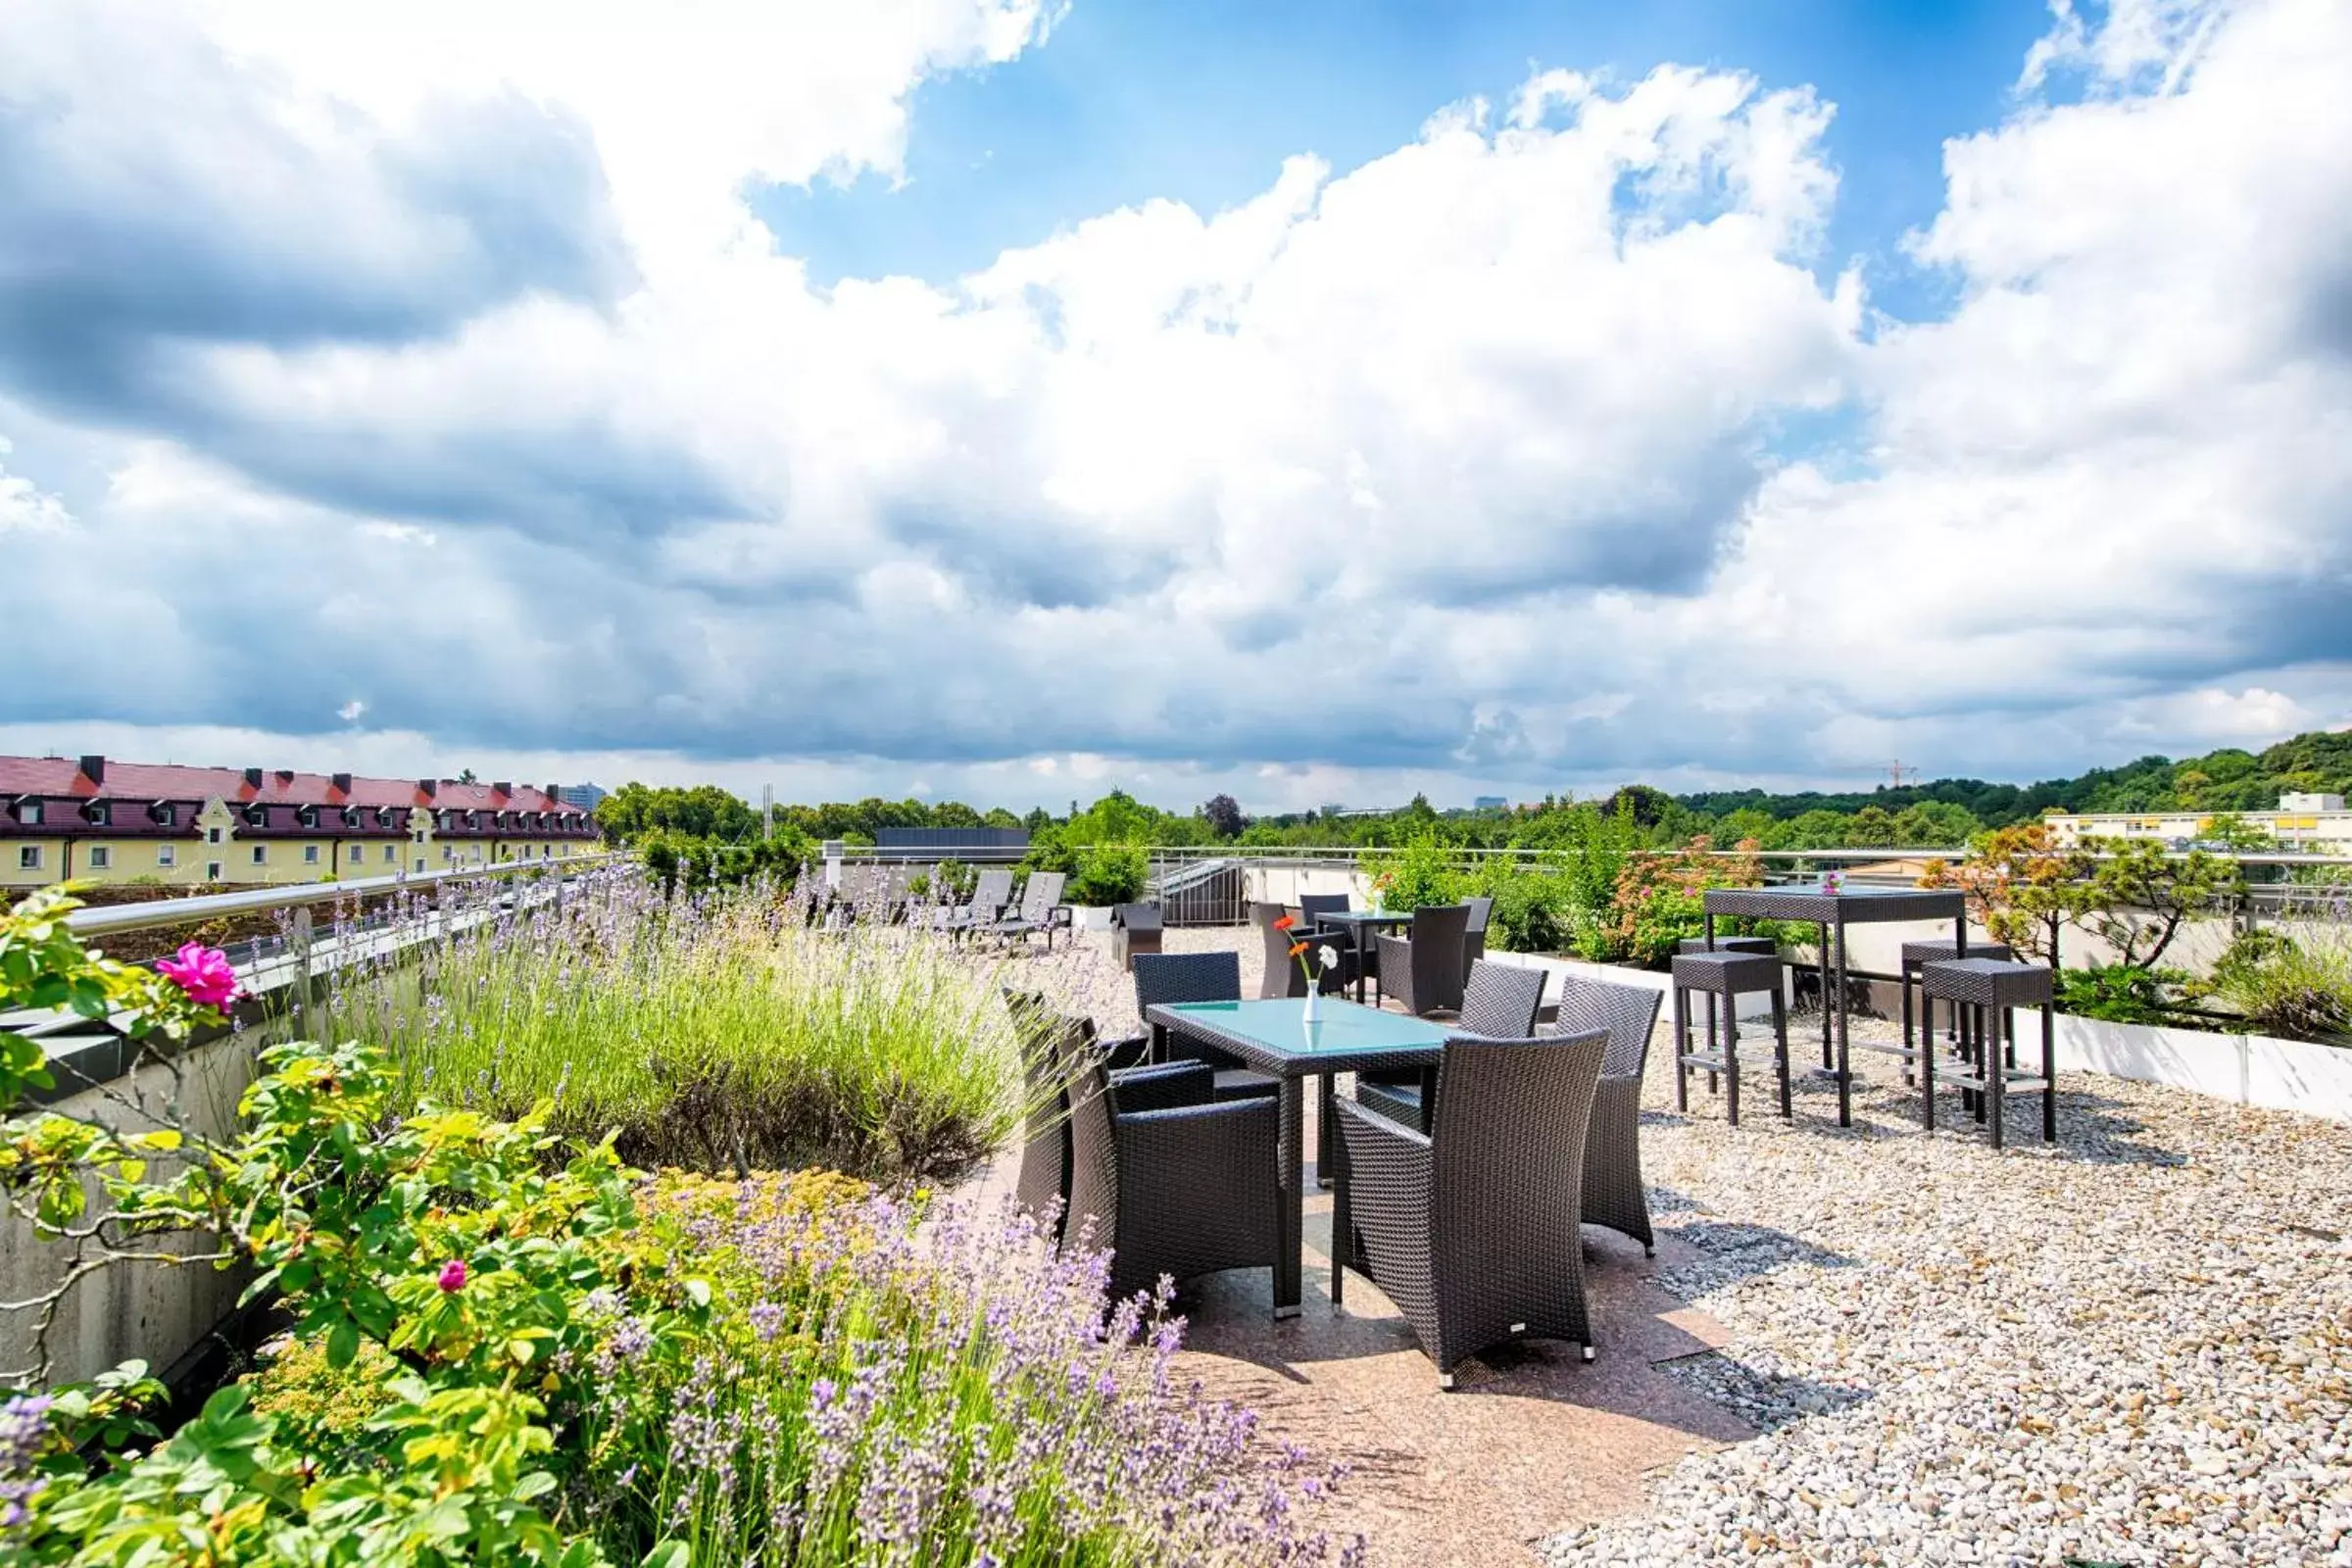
[(713, 1031)]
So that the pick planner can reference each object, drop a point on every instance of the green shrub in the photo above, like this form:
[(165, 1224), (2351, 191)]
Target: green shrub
[(1420, 875), (1108, 873), (2126, 992)]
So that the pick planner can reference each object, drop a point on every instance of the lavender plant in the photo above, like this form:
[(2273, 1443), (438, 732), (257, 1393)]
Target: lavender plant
[(880, 1385)]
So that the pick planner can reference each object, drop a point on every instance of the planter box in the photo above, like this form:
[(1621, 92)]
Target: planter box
[(2246, 1069)]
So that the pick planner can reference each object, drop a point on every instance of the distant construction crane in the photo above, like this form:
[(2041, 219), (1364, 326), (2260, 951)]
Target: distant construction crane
[(1901, 773)]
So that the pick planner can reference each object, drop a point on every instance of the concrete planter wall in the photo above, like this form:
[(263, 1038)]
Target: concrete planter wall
[(2245, 1069), (1090, 916)]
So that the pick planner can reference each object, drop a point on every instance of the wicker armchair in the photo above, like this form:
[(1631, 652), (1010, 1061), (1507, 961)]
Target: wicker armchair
[(1281, 976), (1049, 1046), (1474, 940), (1425, 973), (1614, 1194), (1471, 1228), (1173, 1181), (1500, 1001), (1199, 977)]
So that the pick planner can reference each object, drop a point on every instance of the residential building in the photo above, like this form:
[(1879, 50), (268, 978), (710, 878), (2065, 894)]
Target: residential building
[(1491, 803), (63, 820), (2316, 824)]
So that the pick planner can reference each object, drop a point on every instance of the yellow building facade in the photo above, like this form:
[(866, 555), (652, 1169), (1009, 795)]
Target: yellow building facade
[(94, 822)]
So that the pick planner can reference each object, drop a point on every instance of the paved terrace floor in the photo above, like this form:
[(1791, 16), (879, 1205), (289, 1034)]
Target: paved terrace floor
[(1871, 1345)]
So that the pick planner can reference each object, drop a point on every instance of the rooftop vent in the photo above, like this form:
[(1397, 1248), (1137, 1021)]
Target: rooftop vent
[(253, 778), (342, 782), (427, 787), (502, 789), (93, 768), (285, 775)]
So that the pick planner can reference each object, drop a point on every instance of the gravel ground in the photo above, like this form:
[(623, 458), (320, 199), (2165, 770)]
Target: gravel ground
[(2134, 1347)]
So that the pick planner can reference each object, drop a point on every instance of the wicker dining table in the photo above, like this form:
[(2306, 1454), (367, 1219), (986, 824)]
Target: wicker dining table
[(1833, 909), (1274, 1037)]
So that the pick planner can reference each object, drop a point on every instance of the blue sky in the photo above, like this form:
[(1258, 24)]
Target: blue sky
[(1202, 102), (1003, 399)]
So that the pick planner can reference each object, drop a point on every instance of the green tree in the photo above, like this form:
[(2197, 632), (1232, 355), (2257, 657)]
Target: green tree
[(2141, 895)]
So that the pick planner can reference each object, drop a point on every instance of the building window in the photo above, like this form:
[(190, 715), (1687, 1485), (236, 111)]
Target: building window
[(358, 853), (28, 856), (28, 813), (261, 855), (102, 858), (310, 855), (166, 855), (211, 870), (165, 814), (212, 835), (100, 813), (391, 855), (420, 863)]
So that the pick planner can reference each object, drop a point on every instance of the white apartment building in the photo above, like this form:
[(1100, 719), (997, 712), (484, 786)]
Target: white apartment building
[(2317, 825)]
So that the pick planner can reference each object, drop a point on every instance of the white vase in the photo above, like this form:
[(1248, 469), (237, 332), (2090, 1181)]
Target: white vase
[(1315, 1002)]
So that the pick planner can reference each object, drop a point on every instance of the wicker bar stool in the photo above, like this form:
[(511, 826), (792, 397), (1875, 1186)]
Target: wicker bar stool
[(1728, 976), (1916, 954), (1764, 945), (1981, 992)]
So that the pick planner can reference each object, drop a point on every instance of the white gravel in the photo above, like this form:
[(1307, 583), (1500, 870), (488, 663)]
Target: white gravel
[(2132, 1349)]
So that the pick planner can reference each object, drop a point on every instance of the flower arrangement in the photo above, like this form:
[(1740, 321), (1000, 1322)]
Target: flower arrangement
[(1327, 957)]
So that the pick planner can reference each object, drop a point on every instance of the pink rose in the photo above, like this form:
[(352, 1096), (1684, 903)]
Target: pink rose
[(204, 973), (453, 1275)]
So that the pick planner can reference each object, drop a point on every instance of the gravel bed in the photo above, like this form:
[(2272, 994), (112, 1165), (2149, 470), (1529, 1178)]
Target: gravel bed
[(2133, 1348)]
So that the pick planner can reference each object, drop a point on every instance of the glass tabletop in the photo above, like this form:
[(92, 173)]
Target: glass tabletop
[(1362, 916), (1278, 1025)]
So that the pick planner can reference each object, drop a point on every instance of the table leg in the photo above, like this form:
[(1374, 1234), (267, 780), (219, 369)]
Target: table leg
[(1827, 1061), (1343, 1223), (1326, 1134), (1845, 1068), (1289, 1206)]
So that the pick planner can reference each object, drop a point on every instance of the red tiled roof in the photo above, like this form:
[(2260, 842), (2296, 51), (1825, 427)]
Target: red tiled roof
[(62, 777)]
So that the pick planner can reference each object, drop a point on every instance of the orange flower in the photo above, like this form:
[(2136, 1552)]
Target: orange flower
[(1285, 922), (1296, 948)]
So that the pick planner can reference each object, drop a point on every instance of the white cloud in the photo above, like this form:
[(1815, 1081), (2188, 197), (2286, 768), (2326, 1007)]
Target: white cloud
[(1458, 464)]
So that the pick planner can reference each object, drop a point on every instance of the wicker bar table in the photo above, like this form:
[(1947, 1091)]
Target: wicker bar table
[(1274, 1037), (1833, 909), (1362, 925)]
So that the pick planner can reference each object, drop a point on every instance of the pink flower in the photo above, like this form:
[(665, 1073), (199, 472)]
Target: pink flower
[(453, 1275), (204, 973)]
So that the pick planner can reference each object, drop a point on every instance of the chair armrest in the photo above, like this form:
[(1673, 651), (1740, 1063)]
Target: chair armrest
[(1219, 1157), (1173, 1085), (1371, 1124), (1125, 1053)]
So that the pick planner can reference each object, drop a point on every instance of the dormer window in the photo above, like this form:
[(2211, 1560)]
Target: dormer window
[(307, 815), (98, 814), (351, 816), (163, 815), (28, 811), (383, 818), (256, 817), (474, 820)]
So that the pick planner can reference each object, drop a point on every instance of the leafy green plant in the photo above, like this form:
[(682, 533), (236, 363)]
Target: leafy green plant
[(2127, 993), (1419, 874), (1108, 873)]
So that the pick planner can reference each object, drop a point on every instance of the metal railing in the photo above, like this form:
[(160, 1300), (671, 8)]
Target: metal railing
[(147, 915)]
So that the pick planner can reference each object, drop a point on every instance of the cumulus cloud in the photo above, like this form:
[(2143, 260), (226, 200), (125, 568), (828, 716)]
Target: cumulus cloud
[(1462, 463)]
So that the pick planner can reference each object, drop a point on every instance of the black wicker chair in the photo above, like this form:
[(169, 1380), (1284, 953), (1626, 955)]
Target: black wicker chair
[(1472, 1228), (1172, 1180), (1614, 1194), (1050, 1046), (1425, 973), (1353, 960), (1281, 975), (1199, 977), (1500, 1001), (1474, 940)]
